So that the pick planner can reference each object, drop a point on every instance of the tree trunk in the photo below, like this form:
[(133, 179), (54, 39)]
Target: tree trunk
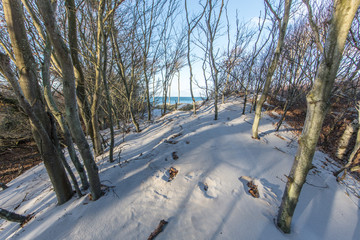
[(11, 216), (72, 115), (109, 104), (48, 151), (147, 90), (318, 105), (96, 95), (58, 115), (79, 74), (178, 87), (40, 123), (355, 149), (345, 139), (272, 68)]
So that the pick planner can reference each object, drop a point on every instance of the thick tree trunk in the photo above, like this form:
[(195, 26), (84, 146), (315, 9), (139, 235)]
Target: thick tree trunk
[(29, 89), (318, 105), (11, 216), (271, 70), (72, 115)]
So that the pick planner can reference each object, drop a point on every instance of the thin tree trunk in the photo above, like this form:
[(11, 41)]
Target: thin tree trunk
[(79, 74), (147, 90), (191, 74), (272, 68), (178, 87), (212, 29), (98, 75), (189, 31), (109, 105), (318, 105)]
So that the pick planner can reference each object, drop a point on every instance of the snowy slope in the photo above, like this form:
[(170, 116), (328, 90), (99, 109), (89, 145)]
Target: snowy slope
[(210, 153)]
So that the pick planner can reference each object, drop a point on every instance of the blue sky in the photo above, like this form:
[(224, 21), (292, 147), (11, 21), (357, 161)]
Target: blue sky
[(248, 11)]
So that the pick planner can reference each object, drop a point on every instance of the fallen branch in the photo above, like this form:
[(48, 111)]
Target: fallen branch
[(158, 230), (12, 217)]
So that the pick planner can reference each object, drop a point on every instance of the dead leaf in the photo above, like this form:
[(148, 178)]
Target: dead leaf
[(172, 172)]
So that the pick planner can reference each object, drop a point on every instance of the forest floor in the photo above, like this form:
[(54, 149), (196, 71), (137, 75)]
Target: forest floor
[(192, 172), (17, 159)]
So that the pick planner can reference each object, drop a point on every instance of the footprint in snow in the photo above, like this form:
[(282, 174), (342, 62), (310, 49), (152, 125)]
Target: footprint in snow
[(268, 192), (209, 187)]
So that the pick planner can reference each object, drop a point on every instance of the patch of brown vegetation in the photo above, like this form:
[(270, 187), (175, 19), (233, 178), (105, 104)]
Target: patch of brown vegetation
[(334, 125), (18, 152), (17, 159)]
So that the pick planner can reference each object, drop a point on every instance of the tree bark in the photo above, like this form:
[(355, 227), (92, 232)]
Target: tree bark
[(29, 91), (71, 109), (272, 68), (318, 105)]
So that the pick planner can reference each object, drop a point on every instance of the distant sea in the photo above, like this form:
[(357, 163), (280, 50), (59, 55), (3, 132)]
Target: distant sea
[(173, 100)]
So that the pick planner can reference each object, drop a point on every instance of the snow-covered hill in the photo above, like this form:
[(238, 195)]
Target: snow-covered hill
[(207, 199)]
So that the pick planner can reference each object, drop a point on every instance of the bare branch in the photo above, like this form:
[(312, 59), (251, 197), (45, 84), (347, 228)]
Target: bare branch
[(313, 26)]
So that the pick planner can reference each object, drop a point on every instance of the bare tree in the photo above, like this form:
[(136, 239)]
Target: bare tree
[(45, 75), (212, 26), (191, 25), (29, 91), (72, 114), (282, 25), (318, 105), (254, 55)]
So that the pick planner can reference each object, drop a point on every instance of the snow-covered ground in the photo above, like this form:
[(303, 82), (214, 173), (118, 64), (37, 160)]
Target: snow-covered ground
[(210, 153)]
